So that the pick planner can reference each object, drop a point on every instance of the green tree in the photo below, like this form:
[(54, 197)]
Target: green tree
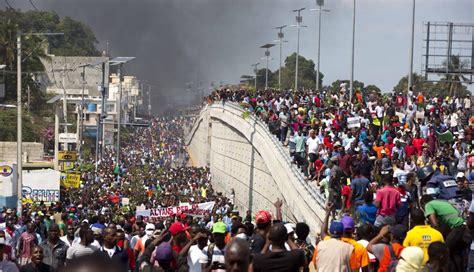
[(78, 39), (419, 85), (261, 73), (371, 88), (306, 73), (30, 130), (453, 83), (335, 86)]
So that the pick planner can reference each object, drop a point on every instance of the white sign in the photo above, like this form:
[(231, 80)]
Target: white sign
[(41, 185), (353, 122), (199, 209), (68, 137), (420, 115), (125, 201)]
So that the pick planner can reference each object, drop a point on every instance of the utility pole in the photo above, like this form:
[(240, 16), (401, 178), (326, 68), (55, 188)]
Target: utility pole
[(351, 87), (299, 20), (19, 126), (98, 141), (255, 69), (280, 40), (149, 102), (80, 131), (119, 113), (64, 100), (320, 4), (410, 71), (267, 58)]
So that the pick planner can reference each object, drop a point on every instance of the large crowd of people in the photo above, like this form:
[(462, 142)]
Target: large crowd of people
[(396, 172)]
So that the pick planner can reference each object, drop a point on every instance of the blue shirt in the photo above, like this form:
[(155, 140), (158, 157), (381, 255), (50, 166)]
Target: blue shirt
[(367, 213), (359, 186)]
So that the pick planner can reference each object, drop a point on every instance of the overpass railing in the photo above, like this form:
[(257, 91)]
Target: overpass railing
[(310, 188)]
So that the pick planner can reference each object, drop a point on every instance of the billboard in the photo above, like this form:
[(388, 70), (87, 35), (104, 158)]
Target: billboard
[(41, 185), (8, 187)]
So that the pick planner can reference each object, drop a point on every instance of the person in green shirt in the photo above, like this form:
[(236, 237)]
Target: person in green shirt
[(441, 211), (444, 217)]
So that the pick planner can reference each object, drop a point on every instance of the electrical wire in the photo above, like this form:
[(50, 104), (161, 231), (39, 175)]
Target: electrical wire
[(31, 2), (8, 4)]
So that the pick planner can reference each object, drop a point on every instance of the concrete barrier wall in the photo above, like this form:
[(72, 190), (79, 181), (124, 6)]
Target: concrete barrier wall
[(33, 151), (244, 156)]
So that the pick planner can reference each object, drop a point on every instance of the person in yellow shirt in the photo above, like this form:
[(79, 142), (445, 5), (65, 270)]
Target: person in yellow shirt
[(421, 235)]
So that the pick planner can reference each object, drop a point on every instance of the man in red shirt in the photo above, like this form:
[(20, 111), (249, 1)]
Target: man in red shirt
[(387, 201), (418, 143)]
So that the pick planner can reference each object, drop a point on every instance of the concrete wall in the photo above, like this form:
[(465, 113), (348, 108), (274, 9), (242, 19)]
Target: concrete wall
[(244, 156), (31, 151)]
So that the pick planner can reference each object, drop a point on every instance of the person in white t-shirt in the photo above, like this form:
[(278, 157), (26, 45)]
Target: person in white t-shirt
[(313, 149), (84, 247), (194, 248)]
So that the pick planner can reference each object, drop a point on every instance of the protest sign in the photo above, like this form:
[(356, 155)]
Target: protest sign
[(125, 201), (70, 180), (353, 122), (199, 209), (420, 115)]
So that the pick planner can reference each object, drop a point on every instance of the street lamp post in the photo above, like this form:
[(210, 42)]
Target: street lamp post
[(410, 71), (320, 4), (255, 69), (299, 20), (351, 87), (280, 40), (267, 58), (19, 162), (19, 136), (119, 61)]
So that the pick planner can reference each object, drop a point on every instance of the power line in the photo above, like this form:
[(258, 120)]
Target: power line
[(8, 4), (31, 2)]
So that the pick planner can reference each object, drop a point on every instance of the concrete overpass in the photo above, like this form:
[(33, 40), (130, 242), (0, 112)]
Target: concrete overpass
[(244, 156)]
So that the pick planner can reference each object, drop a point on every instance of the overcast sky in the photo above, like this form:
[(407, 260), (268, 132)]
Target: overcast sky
[(177, 41)]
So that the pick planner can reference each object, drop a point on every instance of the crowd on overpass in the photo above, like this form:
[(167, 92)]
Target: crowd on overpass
[(395, 169)]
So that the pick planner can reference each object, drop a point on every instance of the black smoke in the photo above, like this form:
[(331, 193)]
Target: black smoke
[(176, 41)]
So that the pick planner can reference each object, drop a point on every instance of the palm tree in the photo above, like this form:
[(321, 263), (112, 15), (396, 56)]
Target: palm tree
[(453, 81)]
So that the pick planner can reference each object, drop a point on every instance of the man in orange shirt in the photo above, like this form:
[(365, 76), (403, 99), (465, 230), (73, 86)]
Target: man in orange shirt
[(360, 256)]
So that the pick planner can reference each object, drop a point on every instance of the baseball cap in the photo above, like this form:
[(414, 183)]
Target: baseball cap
[(164, 252), (9, 211), (347, 222), (219, 227), (336, 229), (460, 175), (398, 231), (177, 227), (262, 217)]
